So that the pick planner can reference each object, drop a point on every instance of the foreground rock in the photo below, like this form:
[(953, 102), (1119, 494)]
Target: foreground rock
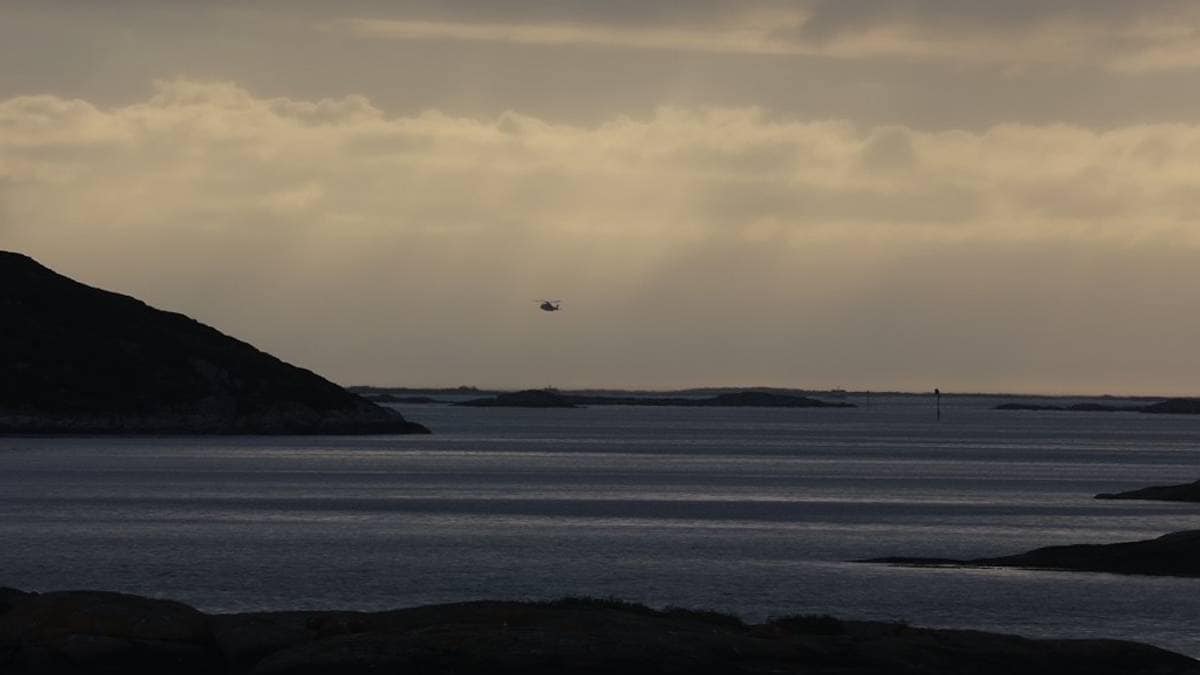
[(94, 632), (1189, 492), (89, 632), (1176, 555), (81, 360)]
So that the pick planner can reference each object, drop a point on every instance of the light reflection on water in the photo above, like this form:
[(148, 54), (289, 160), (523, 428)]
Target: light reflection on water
[(752, 511)]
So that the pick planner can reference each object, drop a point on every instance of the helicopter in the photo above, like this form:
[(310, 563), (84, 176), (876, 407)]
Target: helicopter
[(549, 305)]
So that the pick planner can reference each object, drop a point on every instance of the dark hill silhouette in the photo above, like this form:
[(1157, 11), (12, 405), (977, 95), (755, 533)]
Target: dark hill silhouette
[(78, 359)]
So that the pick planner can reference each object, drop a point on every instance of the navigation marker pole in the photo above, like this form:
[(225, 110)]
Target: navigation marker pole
[(938, 393)]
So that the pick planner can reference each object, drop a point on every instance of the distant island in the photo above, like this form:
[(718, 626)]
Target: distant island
[(1077, 407), (81, 360), (1176, 554), (532, 398), (1174, 406), (98, 632), (545, 398), (371, 391), (392, 398), (1188, 492)]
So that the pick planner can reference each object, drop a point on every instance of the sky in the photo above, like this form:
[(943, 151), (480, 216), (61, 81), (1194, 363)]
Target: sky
[(859, 194)]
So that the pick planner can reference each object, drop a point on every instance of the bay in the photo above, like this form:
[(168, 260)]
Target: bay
[(752, 511)]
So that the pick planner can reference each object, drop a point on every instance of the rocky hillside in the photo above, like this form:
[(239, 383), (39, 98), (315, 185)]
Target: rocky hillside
[(77, 359)]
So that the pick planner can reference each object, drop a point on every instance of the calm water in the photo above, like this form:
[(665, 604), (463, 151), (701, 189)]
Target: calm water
[(743, 510)]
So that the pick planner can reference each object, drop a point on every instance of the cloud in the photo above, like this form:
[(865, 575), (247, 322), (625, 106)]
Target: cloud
[(1117, 36), (216, 149), (749, 39), (415, 243)]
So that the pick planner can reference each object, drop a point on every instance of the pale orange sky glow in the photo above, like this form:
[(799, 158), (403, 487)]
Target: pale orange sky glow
[(977, 196)]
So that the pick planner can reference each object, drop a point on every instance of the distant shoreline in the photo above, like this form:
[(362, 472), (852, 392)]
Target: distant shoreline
[(711, 391), (1172, 555)]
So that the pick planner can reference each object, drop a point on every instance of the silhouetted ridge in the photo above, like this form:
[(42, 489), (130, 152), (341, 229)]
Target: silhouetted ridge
[(81, 359)]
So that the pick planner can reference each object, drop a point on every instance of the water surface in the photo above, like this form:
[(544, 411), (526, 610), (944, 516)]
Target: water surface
[(752, 511)]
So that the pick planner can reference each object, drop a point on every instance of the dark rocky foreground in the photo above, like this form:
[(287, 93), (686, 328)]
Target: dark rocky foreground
[(1176, 555), (542, 398), (79, 359), (91, 632), (1188, 492)]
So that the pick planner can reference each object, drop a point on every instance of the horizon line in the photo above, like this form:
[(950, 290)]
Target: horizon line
[(860, 392)]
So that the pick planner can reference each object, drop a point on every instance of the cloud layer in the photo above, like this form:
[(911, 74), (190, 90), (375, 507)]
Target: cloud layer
[(693, 246), (1119, 36)]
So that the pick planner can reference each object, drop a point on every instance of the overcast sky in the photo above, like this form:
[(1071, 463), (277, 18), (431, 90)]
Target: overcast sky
[(883, 194)]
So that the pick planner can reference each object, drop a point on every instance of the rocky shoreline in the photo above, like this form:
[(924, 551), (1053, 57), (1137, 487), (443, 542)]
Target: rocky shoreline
[(1171, 406), (310, 423), (1176, 554), (1188, 492), (83, 632)]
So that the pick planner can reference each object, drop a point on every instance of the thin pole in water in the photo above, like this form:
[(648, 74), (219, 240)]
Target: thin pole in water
[(938, 394)]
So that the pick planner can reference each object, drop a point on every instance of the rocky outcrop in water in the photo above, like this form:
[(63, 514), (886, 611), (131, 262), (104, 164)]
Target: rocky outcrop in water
[(79, 359), (1176, 554), (1188, 492), (77, 633)]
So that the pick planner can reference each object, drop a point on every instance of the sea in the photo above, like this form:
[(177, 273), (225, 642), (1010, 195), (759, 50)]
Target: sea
[(758, 512)]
